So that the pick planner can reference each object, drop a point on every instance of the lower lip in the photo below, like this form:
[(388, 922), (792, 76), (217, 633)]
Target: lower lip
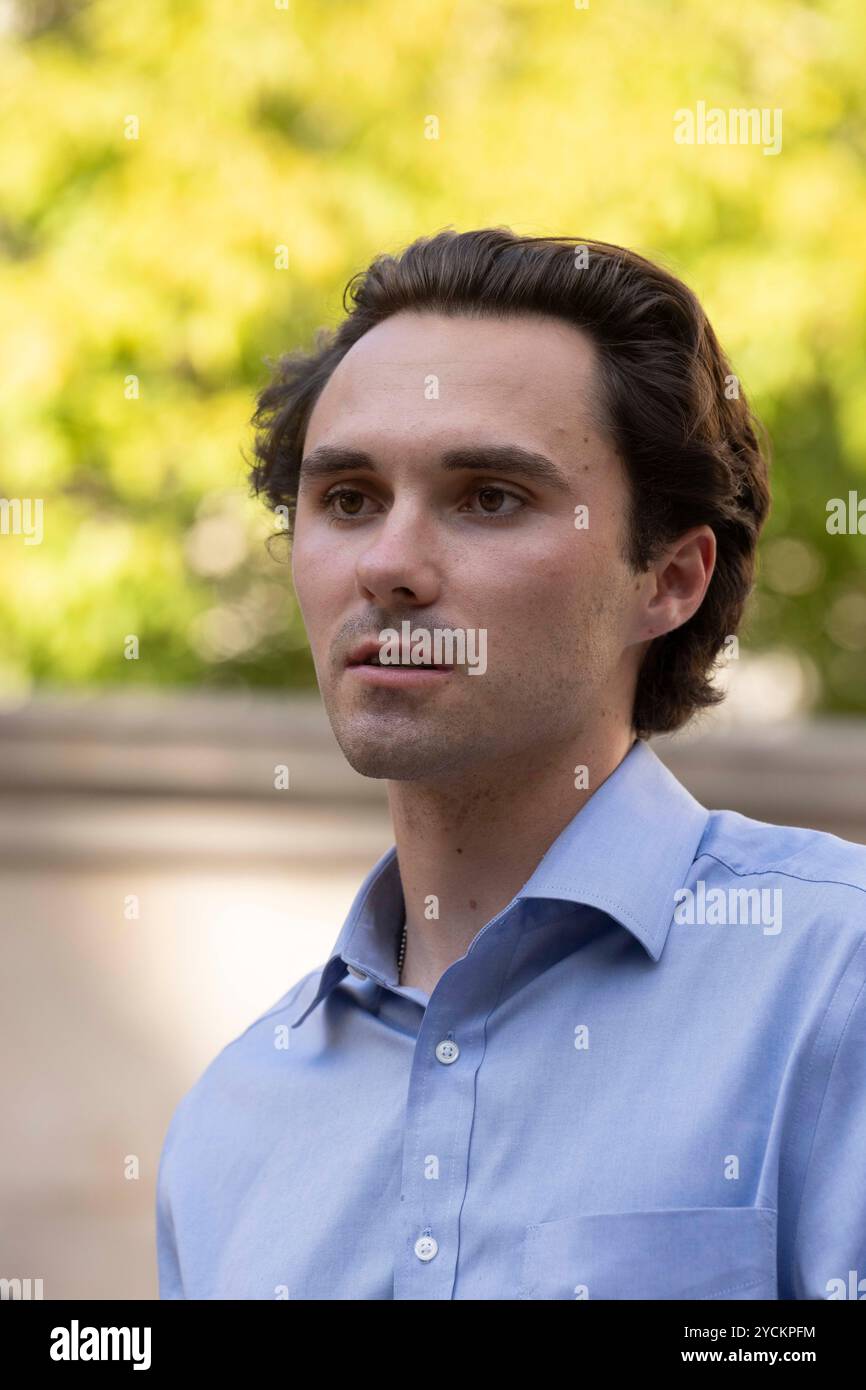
[(403, 677)]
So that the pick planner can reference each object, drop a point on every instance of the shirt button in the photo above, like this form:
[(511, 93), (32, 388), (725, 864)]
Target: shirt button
[(447, 1051), (426, 1247), (359, 974)]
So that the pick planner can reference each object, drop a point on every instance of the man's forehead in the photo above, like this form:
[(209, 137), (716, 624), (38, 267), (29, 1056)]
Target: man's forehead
[(461, 343), (520, 364)]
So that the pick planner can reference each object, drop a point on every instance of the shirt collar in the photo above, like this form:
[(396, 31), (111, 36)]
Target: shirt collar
[(626, 852)]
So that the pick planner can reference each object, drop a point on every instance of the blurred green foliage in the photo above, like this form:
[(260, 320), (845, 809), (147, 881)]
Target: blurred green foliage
[(302, 124)]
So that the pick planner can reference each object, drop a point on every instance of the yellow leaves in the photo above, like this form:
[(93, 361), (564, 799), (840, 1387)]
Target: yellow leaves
[(153, 258)]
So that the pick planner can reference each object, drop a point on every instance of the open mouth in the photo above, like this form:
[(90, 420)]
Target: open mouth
[(400, 662), (402, 665)]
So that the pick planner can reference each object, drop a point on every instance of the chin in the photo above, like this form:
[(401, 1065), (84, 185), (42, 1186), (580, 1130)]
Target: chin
[(395, 756), (393, 764)]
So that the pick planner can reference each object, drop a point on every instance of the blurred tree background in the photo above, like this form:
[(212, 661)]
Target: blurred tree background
[(157, 156)]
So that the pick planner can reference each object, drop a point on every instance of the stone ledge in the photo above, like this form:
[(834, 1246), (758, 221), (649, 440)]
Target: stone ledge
[(128, 749)]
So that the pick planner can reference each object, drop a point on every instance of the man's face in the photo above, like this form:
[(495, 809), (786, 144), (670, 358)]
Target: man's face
[(406, 539)]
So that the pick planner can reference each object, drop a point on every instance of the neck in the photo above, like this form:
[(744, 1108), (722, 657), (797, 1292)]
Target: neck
[(470, 843)]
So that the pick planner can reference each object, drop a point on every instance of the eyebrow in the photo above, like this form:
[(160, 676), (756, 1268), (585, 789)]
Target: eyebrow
[(512, 459)]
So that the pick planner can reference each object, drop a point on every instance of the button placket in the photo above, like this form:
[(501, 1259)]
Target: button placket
[(440, 1111)]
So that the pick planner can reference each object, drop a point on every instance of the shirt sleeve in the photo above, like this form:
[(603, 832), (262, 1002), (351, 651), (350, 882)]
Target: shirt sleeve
[(829, 1253), (168, 1262)]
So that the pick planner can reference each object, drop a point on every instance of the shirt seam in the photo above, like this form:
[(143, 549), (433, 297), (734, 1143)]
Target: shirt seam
[(777, 869)]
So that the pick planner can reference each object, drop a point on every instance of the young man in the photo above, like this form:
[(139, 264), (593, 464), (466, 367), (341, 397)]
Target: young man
[(578, 1036)]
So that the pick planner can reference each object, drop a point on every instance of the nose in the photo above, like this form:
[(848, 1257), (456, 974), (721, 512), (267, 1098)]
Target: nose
[(399, 560)]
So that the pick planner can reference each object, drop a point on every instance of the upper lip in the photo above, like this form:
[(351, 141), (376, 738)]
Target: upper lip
[(371, 647), (362, 652)]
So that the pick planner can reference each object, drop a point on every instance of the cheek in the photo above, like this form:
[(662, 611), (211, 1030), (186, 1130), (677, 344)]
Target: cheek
[(311, 539), (566, 573), (318, 571), (572, 593)]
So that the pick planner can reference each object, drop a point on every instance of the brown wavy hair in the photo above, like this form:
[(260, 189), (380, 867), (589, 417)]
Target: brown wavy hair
[(667, 399)]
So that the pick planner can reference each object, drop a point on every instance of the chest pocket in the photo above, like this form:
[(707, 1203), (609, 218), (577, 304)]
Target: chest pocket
[(679, 1252)]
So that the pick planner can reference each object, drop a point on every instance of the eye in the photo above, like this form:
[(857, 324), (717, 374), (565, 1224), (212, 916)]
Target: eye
[(346, 503), (491, 492), (347, 497)]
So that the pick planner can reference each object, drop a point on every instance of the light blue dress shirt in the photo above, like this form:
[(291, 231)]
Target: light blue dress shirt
[(645, 1079)]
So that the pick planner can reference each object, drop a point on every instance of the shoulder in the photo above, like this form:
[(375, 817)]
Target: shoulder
[(793, 854), (807, 886), (230, 1078)]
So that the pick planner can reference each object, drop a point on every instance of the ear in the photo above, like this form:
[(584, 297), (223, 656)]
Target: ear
[(677, 582)]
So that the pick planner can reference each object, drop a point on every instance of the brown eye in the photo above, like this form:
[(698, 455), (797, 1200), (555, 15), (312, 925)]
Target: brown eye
[(354, 497), (491, 499), (495, 492), (350, 503)]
